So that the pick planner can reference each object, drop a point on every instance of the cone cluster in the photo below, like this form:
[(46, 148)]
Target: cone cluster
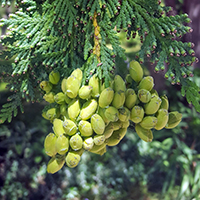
[(91, 117)]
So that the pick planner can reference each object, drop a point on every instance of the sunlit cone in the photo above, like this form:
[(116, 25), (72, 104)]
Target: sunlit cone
[(88, 143), (137, 114), (49, 144), (55, 164), (148, 122), (119, 84), (98, 125), (111, 113), (94, 83), (165, 102), (58, 127), (106, 97), (153, 105), (146, 83), (78, 74), (49, 97), (64, 85), (60, 98), (46, 86), (85, 92), (72, 159), (88, 109), (131, 98), (72, 86), (99, 139), (144, 134), (174, 120), (74, 109), (124, 114), (76, 142), (162, 116), (108, 130), (144, 95), (118, 99), (69, 127), (136, 71), (85, 128), (62, 144), (54, 77)]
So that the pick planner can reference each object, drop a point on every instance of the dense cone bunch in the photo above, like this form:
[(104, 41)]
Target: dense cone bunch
[(90, 117)]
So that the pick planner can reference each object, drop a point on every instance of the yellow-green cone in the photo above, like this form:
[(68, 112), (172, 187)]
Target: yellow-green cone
[(55, 164), (148, 122), (74, 109), (111, 113), (108, 130), (99, 139), (153, 105), (165, 102), (97, 123), (131, 98), (54, 77), (124, 114), (101, 112), (113, 140), (88, 143), (144, 95), (106, 97), (72, 159), (69, 127), (76, 142), (144, 134), (78, 74), (58, 127), (119, 84), (146, 83), (162, 116), (118, 99), (60, 98), (51, 114), (94, 83), (85, 92), (88, 109), (97, 148), (49, 97), (62, 144), (85, 128), (46, 86), (137, 114), (72, 86), (49, 144), (174, 120), (136, 71)]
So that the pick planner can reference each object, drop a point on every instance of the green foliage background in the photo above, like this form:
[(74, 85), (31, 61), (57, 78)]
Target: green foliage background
[(167, 168)]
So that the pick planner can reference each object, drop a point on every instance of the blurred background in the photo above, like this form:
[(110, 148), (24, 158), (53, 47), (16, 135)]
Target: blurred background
[(168, 168)]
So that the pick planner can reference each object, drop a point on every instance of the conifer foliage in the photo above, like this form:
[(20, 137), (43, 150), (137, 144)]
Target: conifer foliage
[(64, 35)]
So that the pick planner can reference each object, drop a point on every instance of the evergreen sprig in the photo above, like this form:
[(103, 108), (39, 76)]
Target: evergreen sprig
[(59, 34)]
